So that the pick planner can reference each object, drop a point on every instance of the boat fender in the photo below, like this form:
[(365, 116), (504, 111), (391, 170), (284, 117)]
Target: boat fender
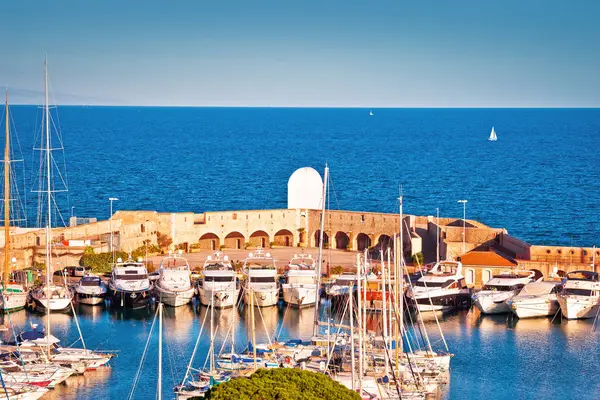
[(288, 360)]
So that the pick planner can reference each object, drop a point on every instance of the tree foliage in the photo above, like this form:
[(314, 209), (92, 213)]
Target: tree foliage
[(282, 384), (418, 258), (164, 241), (102, 262)]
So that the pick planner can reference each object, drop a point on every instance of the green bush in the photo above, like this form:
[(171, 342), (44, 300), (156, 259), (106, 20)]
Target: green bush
[(282, 384), (417, 258), (102, 262)]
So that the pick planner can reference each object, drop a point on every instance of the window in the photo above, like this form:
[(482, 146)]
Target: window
[(558, 251), (429, 284), (578, 292), (219, 278), (470, 276), (261, 279), (486, 275)]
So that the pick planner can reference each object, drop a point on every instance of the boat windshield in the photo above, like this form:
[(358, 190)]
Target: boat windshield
[(582, 276), (430, 284), (578, 292), (503, 288), (302, 263), (262, 279), (90, 281), (131, 277), (217, 266), (218, 279), (258, 264)]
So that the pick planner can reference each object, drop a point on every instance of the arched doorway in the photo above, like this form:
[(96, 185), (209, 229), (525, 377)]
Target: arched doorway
[(209, 241), (318, 238), (283, 237), (363, 241), (342, 240), (384, 242), (259, 239), (234, 240)]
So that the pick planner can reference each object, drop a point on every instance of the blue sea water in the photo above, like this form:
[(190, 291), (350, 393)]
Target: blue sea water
[(539, 180)]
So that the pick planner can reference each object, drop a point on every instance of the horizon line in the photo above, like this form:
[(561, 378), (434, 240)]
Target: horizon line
[(312, 107)]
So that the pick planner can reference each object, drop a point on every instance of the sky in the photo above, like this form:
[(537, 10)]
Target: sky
[(397, 53)]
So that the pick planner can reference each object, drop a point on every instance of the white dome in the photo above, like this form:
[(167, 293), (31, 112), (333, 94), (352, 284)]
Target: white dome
[(305, 188)]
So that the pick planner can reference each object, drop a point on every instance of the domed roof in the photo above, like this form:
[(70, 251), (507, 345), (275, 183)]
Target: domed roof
[(305, 188)]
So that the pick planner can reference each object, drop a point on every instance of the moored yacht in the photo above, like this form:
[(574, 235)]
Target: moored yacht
[(129, 286), (174, 287), (219, 283), (300, 287), (91, 290), (342, 284), (537, 299), (501, 288), (55, 297), (261, 279), (442, 288), (581, 295), (14, 297)]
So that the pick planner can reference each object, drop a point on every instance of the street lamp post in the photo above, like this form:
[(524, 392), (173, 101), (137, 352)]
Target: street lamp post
[(464, 203), (437, 235), (111, 199)]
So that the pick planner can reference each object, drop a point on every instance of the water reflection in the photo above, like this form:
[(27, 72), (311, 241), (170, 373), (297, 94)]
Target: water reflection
[(491, 351)]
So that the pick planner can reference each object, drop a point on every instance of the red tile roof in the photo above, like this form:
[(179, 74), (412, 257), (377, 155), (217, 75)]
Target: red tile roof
[(487, 258)]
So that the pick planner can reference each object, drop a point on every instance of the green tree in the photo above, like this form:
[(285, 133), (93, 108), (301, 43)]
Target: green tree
[(417, 258), (102, 262), (282, 384)]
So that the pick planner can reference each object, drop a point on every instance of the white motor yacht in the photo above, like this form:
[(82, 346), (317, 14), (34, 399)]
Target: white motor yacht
[(501, 288), (14, 297), (129, 286), (91, 290), (441, 288), (56, 297), (581, 295), (219, 283), (300, 287), (174, 287), (537, 299), (261, 279)]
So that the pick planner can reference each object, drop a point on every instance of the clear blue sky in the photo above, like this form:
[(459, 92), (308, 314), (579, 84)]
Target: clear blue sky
[(510, 53)]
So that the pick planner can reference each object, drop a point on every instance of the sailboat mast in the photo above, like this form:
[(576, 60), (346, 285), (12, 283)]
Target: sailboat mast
[(160, 335), (5, 268), (320, 256), (360, 328), (212, 331), (352, 355), (384, 308), (48, 188), (401, 276)]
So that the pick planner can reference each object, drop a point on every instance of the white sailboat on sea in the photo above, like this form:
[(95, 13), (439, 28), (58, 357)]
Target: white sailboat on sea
[(493, 137)]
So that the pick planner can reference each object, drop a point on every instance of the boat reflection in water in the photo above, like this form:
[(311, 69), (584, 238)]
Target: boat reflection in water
[(73, 387)]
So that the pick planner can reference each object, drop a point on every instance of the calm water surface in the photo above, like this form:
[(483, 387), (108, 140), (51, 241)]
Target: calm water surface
[(497, 357)]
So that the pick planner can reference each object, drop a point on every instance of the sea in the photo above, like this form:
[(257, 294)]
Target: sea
[(540, 181)]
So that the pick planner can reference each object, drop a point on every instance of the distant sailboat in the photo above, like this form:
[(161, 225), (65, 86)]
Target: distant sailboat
[(493, 136), (370, 112)]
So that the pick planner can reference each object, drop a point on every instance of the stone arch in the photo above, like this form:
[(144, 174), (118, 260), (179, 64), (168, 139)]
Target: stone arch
[(363, 241), (283, 237), (234, 240), (259, 239), (384, 242), (342, 240), (209, 241), (325, 238)]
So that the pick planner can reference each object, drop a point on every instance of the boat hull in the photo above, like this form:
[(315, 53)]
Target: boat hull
[(12, 301), (263, 297), (444, 302), (579, 307), (55, 305), (90, 299), (300, 295), (222, 298), (173, 298), (130, 300), (534, 308), (493, 302)]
